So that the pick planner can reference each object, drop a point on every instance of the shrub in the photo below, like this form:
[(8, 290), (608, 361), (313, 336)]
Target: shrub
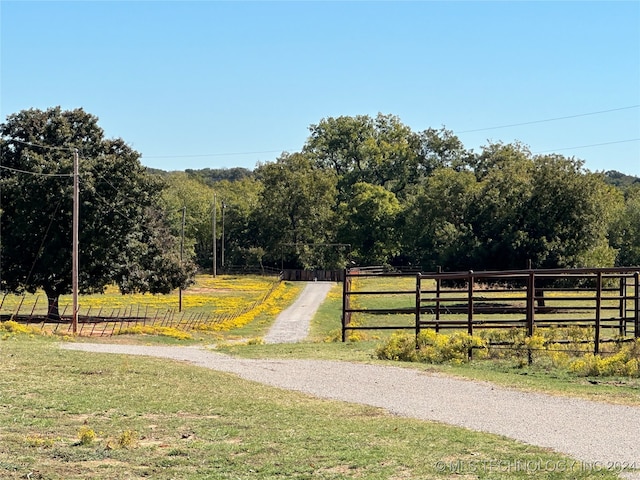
[(625, 362), (14, 328), (399, 346), (86, 436), (431, 347), (128, 439)]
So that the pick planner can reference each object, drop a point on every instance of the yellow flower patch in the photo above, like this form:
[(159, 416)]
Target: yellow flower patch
[(271, 306), (154, 330)]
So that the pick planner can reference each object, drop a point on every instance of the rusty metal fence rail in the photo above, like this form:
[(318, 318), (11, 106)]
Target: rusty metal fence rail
[(605, 300)]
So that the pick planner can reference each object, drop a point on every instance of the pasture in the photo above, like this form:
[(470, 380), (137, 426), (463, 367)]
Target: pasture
[(220, 304), (71, 415)]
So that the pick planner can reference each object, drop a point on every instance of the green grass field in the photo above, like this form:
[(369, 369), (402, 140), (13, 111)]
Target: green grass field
[(72, 415)]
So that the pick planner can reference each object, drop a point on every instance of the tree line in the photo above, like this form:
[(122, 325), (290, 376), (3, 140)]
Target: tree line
[(371, 191), (362, 190)]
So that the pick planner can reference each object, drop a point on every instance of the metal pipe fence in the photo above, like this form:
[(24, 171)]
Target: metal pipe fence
[(606, 300)]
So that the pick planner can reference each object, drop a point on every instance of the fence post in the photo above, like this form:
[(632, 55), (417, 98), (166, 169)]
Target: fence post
[(418, 305), (596, 340), (345, 303), (636, 323), (623, 305), (438, 286), (470, 310), (531, 309), (531, 303)]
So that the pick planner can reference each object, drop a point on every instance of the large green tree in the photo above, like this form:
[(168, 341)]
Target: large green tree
[(436, 224), (568, 214), (124, 236), (499, 211), (625, 229), (296, 208), (369, 224), (379, 151)]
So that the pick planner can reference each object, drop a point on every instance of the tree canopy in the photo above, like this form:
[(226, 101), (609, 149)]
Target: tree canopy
[(363, 189), (124, 235), (420, 198)]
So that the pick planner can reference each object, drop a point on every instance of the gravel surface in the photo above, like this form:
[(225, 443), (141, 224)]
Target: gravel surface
[(598, 434), (292, 325)]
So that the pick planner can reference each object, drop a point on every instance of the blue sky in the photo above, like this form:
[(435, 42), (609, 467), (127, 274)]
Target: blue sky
[(209, 84)]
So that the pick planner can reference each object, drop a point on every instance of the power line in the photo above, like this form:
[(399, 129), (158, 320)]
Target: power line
[(588, 146), (211, 154), (37, 174), (599, 112), (31, 144), (548, 119)]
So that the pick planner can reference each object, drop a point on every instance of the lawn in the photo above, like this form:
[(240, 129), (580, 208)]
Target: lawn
[(72, 415)]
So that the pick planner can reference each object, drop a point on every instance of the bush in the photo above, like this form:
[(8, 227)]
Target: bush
[(431, 347), (399, 346), (625, 362), (86, 436), (11, 327)]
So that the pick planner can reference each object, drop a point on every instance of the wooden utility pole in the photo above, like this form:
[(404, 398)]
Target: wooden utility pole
[(74, 254), (184, 214), (215, 250), (224, 205)]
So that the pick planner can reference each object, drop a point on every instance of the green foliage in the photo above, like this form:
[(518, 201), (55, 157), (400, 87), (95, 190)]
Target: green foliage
[(124, 236), (619, 179), (624, 363), (625, 229), (397, 197), (295, 208), (368, 222), (186, 192), (435, 225), (211, 176), (431, 347)]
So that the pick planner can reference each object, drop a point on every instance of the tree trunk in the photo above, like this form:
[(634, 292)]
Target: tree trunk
[(53, 313)]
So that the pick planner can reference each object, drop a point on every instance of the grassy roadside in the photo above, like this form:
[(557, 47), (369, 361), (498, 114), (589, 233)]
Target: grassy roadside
[(72, 415)]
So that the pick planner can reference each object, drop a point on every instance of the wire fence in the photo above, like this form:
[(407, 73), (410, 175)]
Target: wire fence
[(104, 321)]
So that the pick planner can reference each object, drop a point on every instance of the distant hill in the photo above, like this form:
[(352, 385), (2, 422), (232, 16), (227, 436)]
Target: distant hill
[(210, 175), (619, 179), (213, 175)]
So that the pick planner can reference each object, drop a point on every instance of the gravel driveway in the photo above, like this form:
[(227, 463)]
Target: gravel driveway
[(598, 434), (292, 325)]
